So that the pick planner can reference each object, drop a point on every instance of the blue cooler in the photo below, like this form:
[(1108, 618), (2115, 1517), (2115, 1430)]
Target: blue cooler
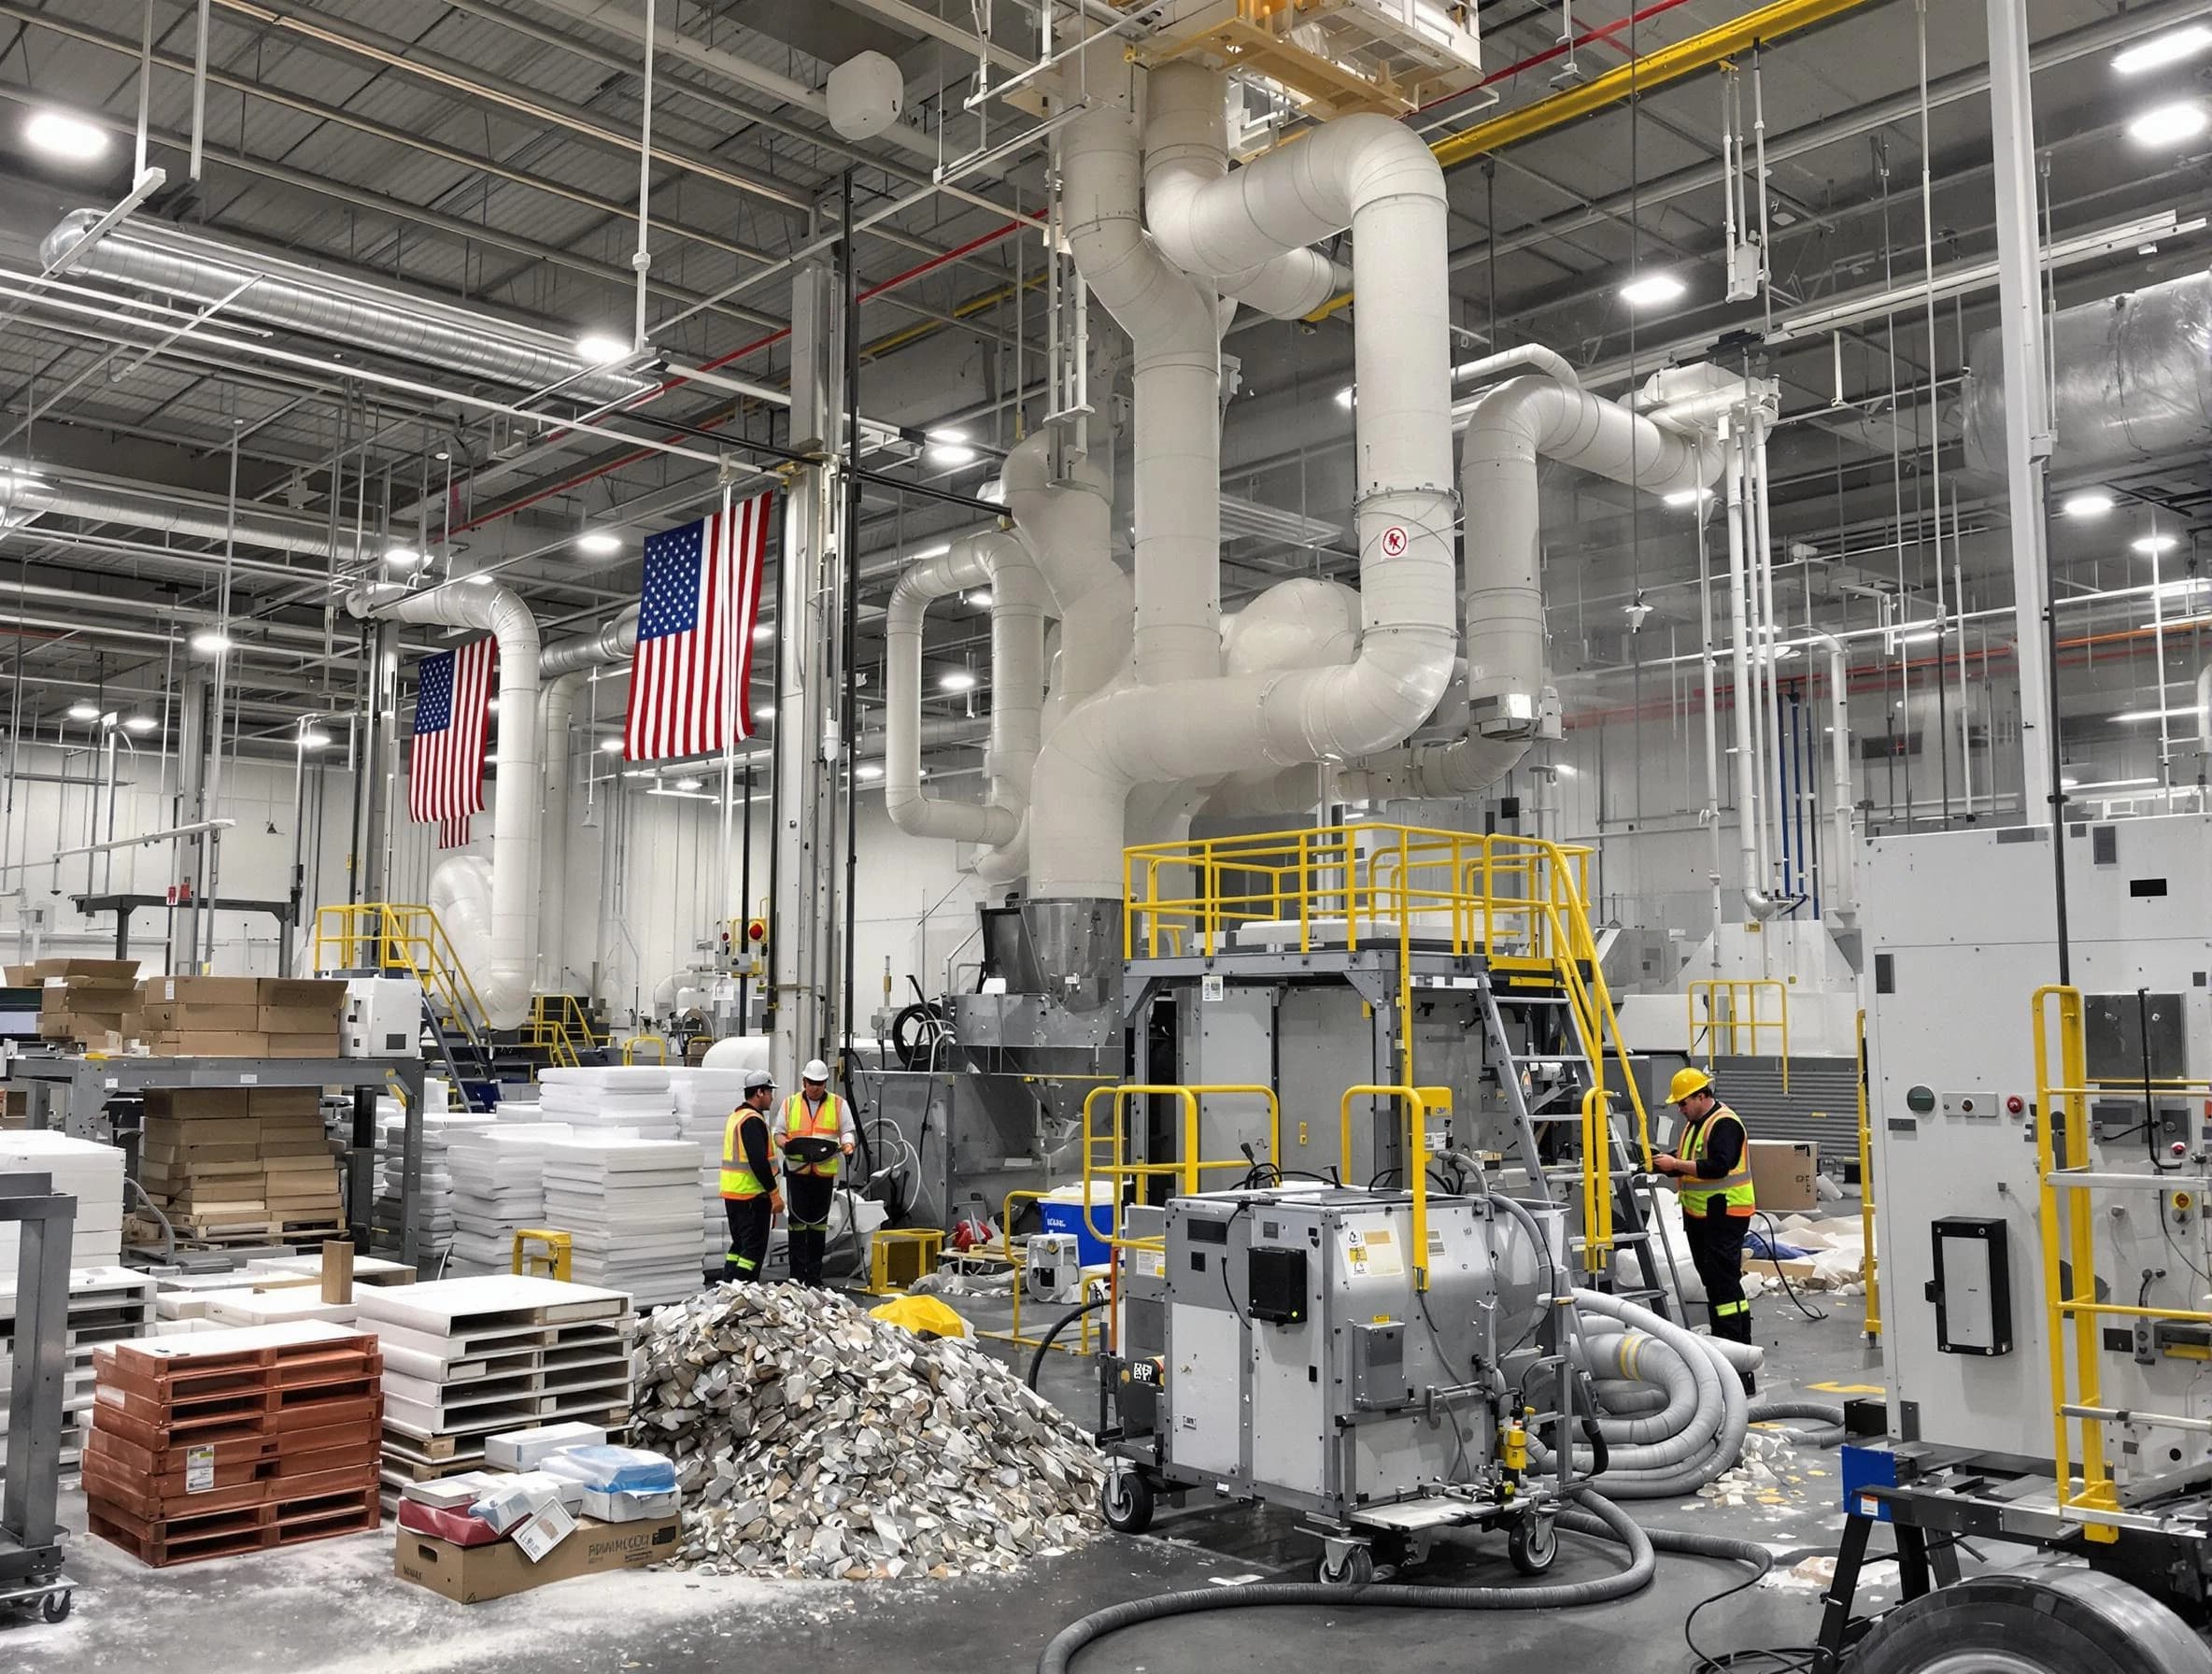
[(1063, 1212)]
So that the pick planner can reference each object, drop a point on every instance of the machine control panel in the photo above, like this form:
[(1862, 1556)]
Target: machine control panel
[(1979, 1104)]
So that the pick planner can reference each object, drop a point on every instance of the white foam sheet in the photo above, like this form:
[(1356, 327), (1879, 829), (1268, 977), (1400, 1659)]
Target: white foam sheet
[(446, 1307)]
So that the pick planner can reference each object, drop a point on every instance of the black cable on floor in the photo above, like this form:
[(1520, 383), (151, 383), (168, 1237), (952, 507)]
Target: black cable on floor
[(1774, 1237)]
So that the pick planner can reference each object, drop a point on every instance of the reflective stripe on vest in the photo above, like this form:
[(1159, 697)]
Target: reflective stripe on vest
[(738, 1179), (1734, 1190), (827, 1123)]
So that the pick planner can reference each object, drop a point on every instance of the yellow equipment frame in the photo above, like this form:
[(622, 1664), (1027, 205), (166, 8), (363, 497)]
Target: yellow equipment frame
[(561, 1028), (1732, 1007), (2070, 1274), (401, 937), (631, 1045), (1873, 1325)]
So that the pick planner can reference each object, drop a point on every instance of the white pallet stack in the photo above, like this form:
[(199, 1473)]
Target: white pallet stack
[(628, 1207), (612, 1097), (466, 1358), (703, 1101), (90, 1172), (499, 1184), (106, 1304), (434, 1214)]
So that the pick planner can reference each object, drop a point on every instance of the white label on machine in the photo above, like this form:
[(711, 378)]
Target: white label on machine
[(1210, 988), (1373, 1254), (247, 1080), (1149, 1264), (199, 1469)]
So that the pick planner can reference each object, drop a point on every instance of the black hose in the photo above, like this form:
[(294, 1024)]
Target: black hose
[(1603, 1519), (1058, 1325), (1600, 1455)]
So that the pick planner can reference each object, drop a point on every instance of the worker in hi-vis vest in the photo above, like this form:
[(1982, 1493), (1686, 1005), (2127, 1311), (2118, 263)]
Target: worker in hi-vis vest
[(815, 1134), (1712, 1170), (749, 1193)]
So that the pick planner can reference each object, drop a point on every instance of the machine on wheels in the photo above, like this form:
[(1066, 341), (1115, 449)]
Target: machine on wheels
[(1375, 1360)]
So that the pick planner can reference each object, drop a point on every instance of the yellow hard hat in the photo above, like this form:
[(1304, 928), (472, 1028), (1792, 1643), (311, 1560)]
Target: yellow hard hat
[(1687, 1080)]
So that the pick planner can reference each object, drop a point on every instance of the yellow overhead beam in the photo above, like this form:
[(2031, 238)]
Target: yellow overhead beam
[(1655, 69)]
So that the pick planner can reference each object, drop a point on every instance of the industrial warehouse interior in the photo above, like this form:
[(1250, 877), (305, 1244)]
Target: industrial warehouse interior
[(1091, 836)]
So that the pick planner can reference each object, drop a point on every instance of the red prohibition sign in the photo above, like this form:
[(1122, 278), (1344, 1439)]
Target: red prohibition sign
[(1394, 541)]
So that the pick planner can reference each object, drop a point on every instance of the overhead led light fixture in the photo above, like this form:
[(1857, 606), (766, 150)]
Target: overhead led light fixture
[(315, 739), (1345, 398), (70, 138), (600, 349), (763, 630), (2155, 546), (612, 746), (956, 680), (950, 447), (84, 709), (598, 543), (1653, 288), (690, 784), (402, 558), (2168, 124), (140, 723), (981, 598), (868, 769), (211, 642), (2175, 47), (1683, 499), (2090, 503)]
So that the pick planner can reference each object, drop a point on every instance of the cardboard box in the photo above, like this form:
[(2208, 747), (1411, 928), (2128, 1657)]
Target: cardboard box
[(1782, 1171), (204, 990), (209, 1043), (301, 1045), (192, 1103), (170, 1017), (325, 998), (291, 1020), (472, 1574), (108, 971)]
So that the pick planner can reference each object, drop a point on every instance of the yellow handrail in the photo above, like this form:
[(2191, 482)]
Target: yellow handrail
[(630, 1047), (1119, 1170), (1018, 1262), (560, 1027), (1598, 1180), (1866, 1192), (2070, 1279), (400, 937), (1418, 1102), (1742, 1014)]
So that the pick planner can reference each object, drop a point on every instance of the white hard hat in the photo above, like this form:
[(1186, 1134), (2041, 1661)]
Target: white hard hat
[(816, 1070), (757, 1079)]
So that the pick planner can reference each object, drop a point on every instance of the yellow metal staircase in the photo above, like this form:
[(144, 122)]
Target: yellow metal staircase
[(406, 940)]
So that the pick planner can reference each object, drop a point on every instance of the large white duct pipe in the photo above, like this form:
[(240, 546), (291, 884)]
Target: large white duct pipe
[(1759, 899), (503, 983), (1186, 150), (1376, 176), (1066, 521), (1018, 608), (161, 516), (1513, 426), (563, 668), (1839, 885), (342, 309)]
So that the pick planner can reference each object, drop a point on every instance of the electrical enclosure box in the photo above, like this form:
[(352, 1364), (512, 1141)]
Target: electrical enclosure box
[(383, 1017), (1278, 1286), (1972, 1288)]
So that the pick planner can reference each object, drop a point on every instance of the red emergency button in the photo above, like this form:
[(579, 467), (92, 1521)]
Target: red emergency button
[(2178, 1148), (2015, 1104)]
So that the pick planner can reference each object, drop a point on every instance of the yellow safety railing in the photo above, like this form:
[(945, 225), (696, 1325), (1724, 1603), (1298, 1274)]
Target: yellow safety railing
[(1418, 1102), (1017, 1261), (404, 939), (1867, 1194), (2069, 1272), (1114, 1164), (659, 1044), (1520, 903), (1598, 1182), (1733, 1012), (559, 1028)]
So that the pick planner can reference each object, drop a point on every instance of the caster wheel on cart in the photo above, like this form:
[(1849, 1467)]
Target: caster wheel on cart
[(1533, 1543), (1126, 1500), (2033, 1620), (1357, 1569), (55, 1606)]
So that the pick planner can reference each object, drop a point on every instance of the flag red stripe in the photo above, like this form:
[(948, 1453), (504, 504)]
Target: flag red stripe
[(680, 699)]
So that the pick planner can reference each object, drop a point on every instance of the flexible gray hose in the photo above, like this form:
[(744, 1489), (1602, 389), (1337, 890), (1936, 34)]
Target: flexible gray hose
[(1635, 1362), (1603, 1519), (1617, 1399), (1830, 1419)]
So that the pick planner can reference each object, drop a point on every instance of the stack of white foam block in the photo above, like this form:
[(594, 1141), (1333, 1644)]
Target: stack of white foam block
[(703, 1101), (499, 1184), (90, 1172), (630, 1208), (106, 1304), (610, 1099), (433, 1208)]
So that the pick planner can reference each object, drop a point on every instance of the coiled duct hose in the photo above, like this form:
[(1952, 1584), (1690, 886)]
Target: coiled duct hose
[(1602, 1518), (1830, 1418)]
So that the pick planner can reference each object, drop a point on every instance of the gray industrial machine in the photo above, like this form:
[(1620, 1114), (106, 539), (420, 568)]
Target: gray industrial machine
[(1978, 1242), (1300, 1345)]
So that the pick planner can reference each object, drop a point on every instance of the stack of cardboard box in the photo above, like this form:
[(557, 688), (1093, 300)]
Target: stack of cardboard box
[(239, 1161), (237, 1017), (81, 999)]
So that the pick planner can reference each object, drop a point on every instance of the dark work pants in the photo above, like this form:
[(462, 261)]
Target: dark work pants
[(806, 1201), (1716, 1250), (749, 1218)]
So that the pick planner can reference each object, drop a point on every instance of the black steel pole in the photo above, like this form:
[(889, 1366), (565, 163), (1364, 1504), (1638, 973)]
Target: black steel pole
[(850, 552)]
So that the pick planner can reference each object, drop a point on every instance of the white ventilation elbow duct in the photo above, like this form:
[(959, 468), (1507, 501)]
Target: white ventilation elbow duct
[(1186, 150), (1066, 522), (1511, 429), (502, 981), (1376, 176), (563, 668), (1018, 608)]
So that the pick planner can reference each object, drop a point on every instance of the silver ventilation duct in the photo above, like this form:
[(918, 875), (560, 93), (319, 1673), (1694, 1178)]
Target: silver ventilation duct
[(2131, 379), (164, 517), (302, 298)]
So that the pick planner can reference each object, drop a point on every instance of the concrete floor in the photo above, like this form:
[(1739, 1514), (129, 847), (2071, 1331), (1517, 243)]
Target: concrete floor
[(334, 1608)]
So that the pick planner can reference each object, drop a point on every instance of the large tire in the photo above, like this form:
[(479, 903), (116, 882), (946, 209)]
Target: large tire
[(2047, 1619)]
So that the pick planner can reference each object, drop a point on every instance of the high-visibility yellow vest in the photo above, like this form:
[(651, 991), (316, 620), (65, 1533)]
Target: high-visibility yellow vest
[(801, 1122), (738, 1179), (1736, 1191)]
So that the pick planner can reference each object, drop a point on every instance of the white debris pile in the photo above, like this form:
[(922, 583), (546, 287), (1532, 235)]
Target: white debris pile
[(1834, 1259), (813, 1442), (1764, 1476)]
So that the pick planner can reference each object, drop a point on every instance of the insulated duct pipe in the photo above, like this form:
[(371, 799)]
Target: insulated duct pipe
[(161, 515), (345, 310), (503, 984), (1375, 176), (1018, 608), (1839, 885), (563, 670), (1066, 520), (1186, 150), (1751, 815), (1510, 427)]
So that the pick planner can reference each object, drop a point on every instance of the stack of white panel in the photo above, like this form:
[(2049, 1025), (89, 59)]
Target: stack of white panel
[(703, 1101), (629, 1208), (434, 1209), (499, 1184), (609, 1099), (106, 1304), (90, 1172)]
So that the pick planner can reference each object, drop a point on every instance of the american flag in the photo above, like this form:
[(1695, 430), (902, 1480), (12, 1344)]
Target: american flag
[(446, 765), (688, 685)]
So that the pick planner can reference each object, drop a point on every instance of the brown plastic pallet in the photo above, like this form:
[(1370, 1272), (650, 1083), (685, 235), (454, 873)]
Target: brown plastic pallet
[(281, 1523), (179, 1377), (112, 1458), (117, 1497), (358, 1407)]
